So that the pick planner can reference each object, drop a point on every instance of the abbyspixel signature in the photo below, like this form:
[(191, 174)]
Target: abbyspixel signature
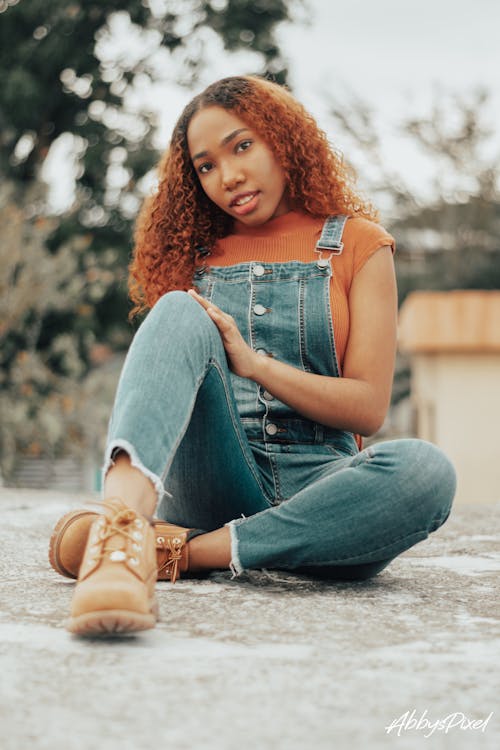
[(456, 720)]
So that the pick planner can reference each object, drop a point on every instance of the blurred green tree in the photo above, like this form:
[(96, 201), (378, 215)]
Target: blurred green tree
[(62, 80)]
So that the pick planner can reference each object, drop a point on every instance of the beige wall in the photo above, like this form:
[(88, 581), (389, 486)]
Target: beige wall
[(457, 400)]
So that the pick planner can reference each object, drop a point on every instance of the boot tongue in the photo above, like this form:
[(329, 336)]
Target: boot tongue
[(121, 518), (124, 517)]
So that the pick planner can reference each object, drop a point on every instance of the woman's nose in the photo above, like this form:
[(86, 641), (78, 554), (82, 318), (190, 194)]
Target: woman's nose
[(231, 176)]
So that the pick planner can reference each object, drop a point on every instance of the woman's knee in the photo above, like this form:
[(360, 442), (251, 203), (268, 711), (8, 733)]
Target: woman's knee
[(177, 313), (177, 304), (428, 476), (444, 484)]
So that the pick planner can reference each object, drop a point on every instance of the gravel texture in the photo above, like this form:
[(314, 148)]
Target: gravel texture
[(266, 661)]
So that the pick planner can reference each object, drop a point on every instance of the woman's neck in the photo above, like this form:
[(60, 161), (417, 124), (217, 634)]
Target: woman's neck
[(284, 224)]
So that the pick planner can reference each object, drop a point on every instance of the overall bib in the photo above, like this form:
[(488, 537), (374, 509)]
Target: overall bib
[(221, 450), (283, 311)]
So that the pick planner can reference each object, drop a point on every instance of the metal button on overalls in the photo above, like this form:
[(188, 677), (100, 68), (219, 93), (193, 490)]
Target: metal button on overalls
[(259, 309), (268, 396), (271, 429), (258, 270)]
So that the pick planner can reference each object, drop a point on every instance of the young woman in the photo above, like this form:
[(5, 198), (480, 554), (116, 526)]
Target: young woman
[(269, 350)]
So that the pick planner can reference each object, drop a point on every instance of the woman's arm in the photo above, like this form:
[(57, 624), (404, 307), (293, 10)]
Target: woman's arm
[(358, 401)]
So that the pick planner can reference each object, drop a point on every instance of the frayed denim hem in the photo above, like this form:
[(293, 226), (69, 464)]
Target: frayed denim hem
[(134, 461), (235, 564)]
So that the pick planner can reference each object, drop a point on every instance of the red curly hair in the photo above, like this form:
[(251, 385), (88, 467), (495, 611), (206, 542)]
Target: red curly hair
[(179, 220)]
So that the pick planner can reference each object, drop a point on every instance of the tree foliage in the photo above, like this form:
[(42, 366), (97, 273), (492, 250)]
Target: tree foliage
[(51, 74), (63, 282), (448, 236)]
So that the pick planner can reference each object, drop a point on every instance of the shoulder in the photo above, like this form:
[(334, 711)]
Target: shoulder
[(362, 232), (362, 238)]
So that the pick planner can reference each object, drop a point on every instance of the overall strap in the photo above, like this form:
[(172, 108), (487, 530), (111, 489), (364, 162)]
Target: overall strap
[(331, 235)]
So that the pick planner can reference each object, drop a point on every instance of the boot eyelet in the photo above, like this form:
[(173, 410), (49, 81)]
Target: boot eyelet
[(118, 555), (137, 536)]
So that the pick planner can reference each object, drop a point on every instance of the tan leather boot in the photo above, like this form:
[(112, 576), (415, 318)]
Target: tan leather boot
[(115, 592), (69, 538), (68, 541)]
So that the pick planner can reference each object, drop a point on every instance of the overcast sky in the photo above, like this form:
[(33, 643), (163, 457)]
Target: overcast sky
[(396, 55), (391, 51), (399, 56)]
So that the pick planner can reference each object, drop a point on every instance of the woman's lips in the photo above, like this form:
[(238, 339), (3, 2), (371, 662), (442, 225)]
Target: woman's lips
[(251, 201)]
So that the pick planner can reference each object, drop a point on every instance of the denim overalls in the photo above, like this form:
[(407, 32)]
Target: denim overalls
[(221, 450), (283, 310)]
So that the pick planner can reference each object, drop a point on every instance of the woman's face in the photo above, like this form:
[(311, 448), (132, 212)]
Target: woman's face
[(236, 168)]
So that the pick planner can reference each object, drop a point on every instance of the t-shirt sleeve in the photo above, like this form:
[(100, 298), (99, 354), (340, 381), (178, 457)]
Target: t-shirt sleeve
[(365, 238)]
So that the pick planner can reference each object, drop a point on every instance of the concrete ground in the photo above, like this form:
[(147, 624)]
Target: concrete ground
[(268, 661)]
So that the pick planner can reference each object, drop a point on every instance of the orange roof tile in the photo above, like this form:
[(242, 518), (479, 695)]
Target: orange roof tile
[(456, 321)]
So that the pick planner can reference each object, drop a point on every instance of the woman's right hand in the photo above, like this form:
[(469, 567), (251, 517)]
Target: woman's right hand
[(243, 361)]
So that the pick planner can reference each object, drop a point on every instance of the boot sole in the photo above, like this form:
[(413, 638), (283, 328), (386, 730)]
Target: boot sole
[(112, 622)]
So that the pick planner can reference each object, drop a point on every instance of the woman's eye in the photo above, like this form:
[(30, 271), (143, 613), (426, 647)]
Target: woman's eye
[(204, 168), (243, 145)]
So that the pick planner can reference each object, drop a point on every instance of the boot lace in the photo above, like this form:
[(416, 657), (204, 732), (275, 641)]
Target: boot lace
[(173, 547), (124, 523)]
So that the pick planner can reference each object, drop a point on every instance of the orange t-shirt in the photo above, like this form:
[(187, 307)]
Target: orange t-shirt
[(293, 236)]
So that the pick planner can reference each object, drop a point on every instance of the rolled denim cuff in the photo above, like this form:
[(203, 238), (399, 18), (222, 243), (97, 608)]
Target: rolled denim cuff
[(235, 564)]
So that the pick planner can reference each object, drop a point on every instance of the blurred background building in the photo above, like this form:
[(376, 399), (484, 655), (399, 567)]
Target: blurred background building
[(453, 339), (89, 93)]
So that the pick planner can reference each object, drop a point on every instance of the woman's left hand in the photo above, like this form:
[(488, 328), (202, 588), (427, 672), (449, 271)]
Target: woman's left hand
[(242, 359)]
